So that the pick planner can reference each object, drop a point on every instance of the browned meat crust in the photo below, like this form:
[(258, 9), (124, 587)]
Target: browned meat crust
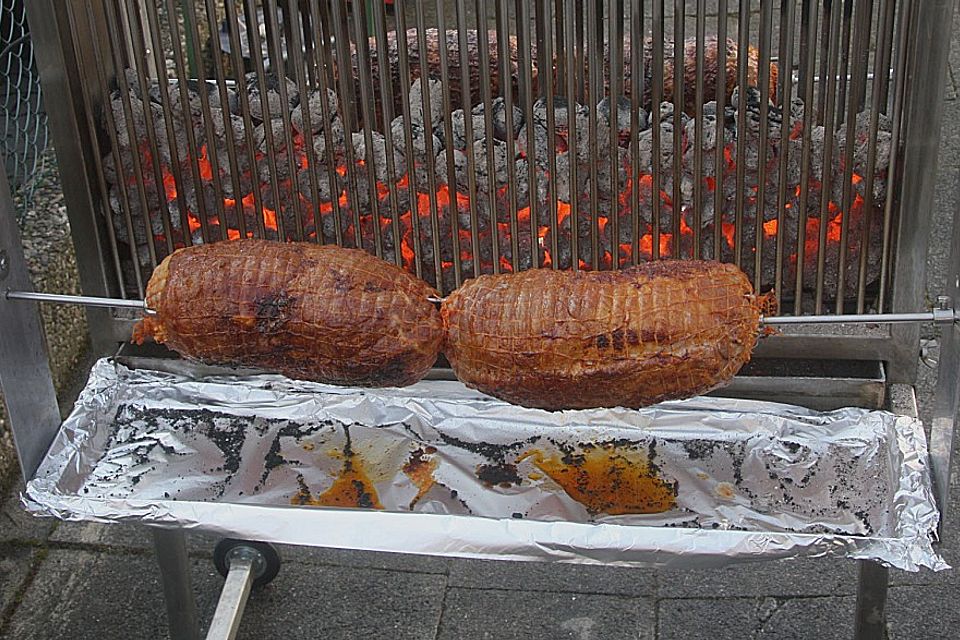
[(565, 340), (322, 313)]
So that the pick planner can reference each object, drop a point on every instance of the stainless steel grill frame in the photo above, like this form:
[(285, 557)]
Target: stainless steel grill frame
[(911, 57), (886, 59)]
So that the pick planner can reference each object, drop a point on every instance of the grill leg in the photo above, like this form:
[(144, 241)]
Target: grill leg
[(171, 550), (871, 601)]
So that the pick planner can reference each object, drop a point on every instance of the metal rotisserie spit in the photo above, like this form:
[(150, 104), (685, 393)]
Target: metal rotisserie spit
[(453, 139)]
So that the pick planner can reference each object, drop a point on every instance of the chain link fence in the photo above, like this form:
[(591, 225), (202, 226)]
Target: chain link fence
[(24, 120)]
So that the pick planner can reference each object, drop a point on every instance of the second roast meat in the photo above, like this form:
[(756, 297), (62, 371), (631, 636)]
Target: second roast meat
[(322, 313), (571, 340)]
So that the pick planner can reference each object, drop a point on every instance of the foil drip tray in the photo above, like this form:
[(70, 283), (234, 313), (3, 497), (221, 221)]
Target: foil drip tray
[(439, 469)]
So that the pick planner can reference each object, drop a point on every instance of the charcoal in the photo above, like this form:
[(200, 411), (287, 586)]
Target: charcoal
[(135, 209), (434, 98), (418, 138), (379, 156), (315, 106), (562, 136), (458, 126), (325, 192), (498, 111), (281, 154), (267, 99), (604, 184), (461, 174), (494, 159), (623, 119)]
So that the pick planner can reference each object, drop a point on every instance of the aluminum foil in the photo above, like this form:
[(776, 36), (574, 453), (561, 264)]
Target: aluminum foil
[(442, 470)]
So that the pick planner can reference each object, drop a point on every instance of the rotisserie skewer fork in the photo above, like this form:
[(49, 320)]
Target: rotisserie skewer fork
[(943, 313)]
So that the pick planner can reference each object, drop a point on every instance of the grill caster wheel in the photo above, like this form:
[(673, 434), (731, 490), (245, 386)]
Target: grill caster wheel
[(264, 557)]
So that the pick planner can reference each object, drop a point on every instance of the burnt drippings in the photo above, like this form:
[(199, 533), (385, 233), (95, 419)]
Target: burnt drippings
[(420, 467), (607, 478), (295, 430), (503, 475), (272, 310), (351, 488), (488, 450)]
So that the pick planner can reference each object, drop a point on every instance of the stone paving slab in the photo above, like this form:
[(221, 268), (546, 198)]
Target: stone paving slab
[(82, 594), (18, 525), (506, 615), (801, 618), (922, 612), (556, 577), (347, 603), (15, 565), (786, 578)]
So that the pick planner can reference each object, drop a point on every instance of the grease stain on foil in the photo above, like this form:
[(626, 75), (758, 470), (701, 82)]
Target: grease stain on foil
[(609, 479), (420, 468), (352, 487)]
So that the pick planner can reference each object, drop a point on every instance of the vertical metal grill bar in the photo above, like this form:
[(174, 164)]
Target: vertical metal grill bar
[(679, 71), (142, 62), (636, 96), (272, 9), (295, 43), (808, 59), (236, 59), (785, 89), (253, 40), (325, 72), (615, 21), (698, 178), (862, 25), (461, 18), (592, 91), (431, 153), (348, 103), (452, 190), (824, 59), (580, 48), (193, 38), (502, 10), (549, 98), (404, 61), (763, 78), (879, 68), (193, 148), (885, 52), (369, 122), (523, 17), (720, 157), (483, 43), (192, 154), (220, 76), (117, 161), (657, 93), (541, 33), (743, 60), (572, 150), (134, 150), (826, 179), (899, 97), (844, 54), (560, 30)]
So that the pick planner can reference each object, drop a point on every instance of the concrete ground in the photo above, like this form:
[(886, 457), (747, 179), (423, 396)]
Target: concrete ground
[(95, 581)]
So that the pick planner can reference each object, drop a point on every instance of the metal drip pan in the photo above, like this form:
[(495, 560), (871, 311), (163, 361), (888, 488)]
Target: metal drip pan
[(439, 469)]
